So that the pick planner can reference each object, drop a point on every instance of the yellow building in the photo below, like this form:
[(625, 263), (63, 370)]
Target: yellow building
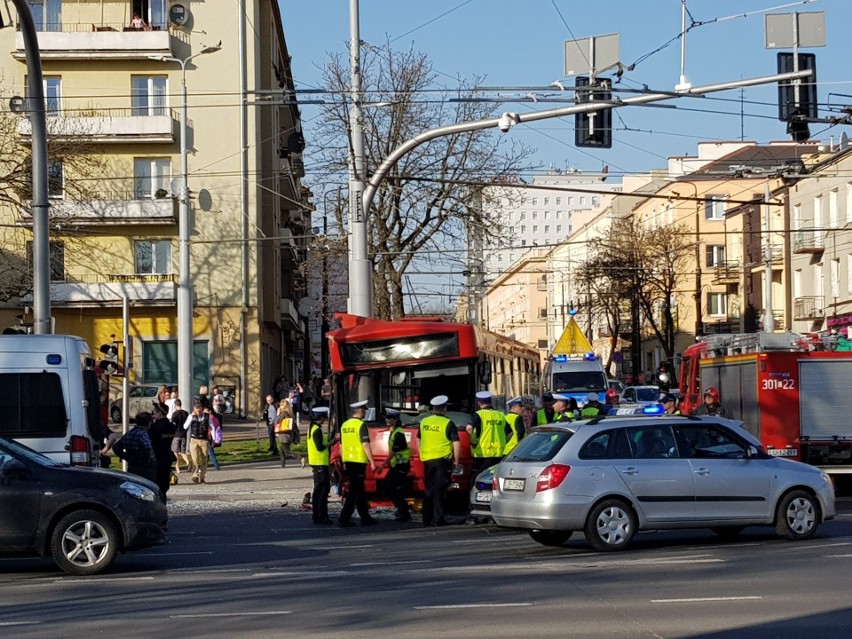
[(113, 94)]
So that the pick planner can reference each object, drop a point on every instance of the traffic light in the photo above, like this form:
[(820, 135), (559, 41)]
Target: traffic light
[(109, 363), (593, 129), (796, 113)]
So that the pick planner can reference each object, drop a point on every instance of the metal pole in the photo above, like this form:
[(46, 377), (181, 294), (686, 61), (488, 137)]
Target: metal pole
[(40, 202), (244, 212), (698, 283), (768, 317), (360, 272), (125, 381), (184, 292)]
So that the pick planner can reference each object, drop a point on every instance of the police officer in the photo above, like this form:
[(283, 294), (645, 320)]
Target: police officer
[(669, 403), (399, 463), (488, 434), (318, 453), (356, 454), (593, 407), (544, 415), (515, 421), (560, 409), (440, 449)]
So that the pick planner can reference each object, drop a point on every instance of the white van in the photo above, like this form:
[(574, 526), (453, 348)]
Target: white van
[(576, 376), (49, 397)]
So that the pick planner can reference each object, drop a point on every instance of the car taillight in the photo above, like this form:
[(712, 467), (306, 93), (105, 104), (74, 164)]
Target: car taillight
[(81, 451), (551, 477)]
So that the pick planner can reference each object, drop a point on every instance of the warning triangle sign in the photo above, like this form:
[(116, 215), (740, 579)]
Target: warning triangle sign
[(572, 341)]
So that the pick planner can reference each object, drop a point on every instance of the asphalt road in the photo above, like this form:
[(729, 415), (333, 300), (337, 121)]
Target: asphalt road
[(237, 572)]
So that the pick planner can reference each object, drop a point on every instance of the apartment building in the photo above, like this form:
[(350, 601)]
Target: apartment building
[(113, 95)]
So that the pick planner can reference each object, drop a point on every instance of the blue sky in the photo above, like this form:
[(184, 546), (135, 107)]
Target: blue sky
[(520, 42)]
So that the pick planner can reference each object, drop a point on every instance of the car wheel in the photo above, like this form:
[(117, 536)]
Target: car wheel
[(84, 542), (551, 537), (611, 525), (797, 516), (728, 532), (115, 415)]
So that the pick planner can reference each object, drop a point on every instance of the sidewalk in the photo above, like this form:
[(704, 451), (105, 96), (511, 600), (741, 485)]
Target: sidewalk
[(258, 481)]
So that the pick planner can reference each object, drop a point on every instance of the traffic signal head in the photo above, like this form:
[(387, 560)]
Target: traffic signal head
[(594, 128), (109, 364)]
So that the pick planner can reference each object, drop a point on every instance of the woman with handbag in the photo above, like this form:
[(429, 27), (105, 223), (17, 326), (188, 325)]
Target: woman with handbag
[(283, 426)]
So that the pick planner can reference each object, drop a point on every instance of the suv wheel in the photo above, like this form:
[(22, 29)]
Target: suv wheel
[(551, 537), (797, 516), (610, 525), (84, 542)]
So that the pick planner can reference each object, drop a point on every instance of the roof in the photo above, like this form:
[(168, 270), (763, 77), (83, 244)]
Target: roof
[(756, 159)]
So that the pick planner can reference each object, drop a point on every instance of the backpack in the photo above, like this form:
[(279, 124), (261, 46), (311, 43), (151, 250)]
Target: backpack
[(215, 432)]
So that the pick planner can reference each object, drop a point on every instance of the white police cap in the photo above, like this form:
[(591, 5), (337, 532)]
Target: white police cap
[(362, 404), (392, 413), (515, 401), (561, 398), (320, 411), (592, 396), (484, 396), (439, 400)]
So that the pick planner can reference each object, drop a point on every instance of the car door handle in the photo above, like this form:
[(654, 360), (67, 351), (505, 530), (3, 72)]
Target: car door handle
[(630, 470), (702, 471)]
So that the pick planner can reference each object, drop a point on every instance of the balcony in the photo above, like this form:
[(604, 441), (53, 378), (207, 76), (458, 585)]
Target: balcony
[(808, 241), (290, 318), (99, 41), (111, 212), (729, 325), (727, 273), (289, 249), (108, 126), (109, 290), (809, 307)]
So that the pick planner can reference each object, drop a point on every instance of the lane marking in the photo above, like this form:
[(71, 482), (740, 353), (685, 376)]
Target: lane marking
[(207, 615), (304, 575), (838, 556), (19, 623), (391, 563), (177, 554), (480, 605), (75, 580), (706, 599), (339, 547), (821, 546)]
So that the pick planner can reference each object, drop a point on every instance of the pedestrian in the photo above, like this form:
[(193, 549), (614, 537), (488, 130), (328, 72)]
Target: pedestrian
[(440, 450), (280, 389), (711, 405), (669, 403), (170, 404), (135, 448), (284, 430), (545, 414), (357, 455), (325, 392), (561, 411), (178, 418), (271, 412), (218, 404), (318, 458), (296, 399), (515, 420), (204, 397), (488, 434), (163, 396), (398, 464), (593, 406), (214, 425), (198, 427), (162, 434)]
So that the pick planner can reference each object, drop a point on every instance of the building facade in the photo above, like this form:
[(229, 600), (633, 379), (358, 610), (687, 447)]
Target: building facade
[(114, 99)]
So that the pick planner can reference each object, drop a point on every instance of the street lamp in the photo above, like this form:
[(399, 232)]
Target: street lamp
[(184, 292)]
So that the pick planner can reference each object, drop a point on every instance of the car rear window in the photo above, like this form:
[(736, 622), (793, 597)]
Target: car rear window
[(32, 405), (540, 446)]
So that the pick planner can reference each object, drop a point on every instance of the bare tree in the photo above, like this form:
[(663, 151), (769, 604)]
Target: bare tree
[(423, 208)]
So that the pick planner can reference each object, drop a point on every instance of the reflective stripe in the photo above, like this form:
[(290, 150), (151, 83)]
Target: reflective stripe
[(351, 448)]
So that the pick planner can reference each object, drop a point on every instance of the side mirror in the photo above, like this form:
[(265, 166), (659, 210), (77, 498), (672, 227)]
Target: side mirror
[(751, 451), (13, 468)]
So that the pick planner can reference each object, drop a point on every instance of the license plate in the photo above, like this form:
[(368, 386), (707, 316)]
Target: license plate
[(783, 452), (513, 484), (483, 497)]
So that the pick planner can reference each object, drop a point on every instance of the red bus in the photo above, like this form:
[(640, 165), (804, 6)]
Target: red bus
[(404, 363)]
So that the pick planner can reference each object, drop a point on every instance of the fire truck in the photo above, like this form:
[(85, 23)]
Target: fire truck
[(790, 390)]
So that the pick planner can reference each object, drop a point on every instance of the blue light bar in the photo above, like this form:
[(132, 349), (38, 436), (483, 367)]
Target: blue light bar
[(653, 409), (560, 358), (54, 359), (589, 357)]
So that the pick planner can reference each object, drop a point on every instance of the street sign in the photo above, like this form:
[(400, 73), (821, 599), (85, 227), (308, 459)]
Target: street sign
[(794, 30), (591, 55), (572, 341)]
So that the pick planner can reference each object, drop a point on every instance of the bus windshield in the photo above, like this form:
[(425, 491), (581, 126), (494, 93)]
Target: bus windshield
[(409, 389), (579, 381)]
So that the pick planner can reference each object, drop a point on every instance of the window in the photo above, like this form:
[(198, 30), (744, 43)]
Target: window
[(47, 14), (652, 442), (832, 209), (797, 283), (148, 94), (153, 256), (523, 242), (714, 207), (715, 255), (708, 442), (535, 228), (558, 228), (849, 273), (558, 201), (542, 313), (547, 215), (835, 277), (32, 405), (522, 216), (717, 304), (523, 229), (499, 257), (535, 215), (547, 201), (56, 260), (570, 201), (547, 228), (55, 179), (797, 217), (152, 176), (52, 94), (582, 200), (610, 444), (595, 201), (535, 201)]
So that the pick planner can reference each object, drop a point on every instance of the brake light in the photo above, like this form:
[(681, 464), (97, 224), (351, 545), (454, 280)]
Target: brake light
[(81, 451), (551, 477)]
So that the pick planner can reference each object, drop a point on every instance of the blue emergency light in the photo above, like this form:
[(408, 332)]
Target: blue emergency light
[(560, 358), (589, 357), (653, 409), (54, 359)]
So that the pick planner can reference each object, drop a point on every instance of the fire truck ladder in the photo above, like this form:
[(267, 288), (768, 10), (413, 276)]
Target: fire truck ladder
[(718, 345)]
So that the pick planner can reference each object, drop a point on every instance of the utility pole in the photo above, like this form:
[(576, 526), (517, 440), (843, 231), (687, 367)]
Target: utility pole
[(360, 273)]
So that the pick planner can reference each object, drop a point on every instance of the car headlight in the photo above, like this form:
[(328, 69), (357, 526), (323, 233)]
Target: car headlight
[(138, 491)]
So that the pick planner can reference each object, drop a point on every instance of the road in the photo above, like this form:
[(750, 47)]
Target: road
[(243, 572)]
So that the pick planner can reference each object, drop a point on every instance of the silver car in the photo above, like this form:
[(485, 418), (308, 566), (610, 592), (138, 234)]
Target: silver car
[(614, 476)]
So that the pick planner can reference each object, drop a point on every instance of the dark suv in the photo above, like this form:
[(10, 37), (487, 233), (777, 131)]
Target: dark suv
[(82, 517)]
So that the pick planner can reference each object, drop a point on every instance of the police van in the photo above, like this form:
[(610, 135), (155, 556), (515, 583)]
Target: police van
[(49, 397), (576, 376)]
